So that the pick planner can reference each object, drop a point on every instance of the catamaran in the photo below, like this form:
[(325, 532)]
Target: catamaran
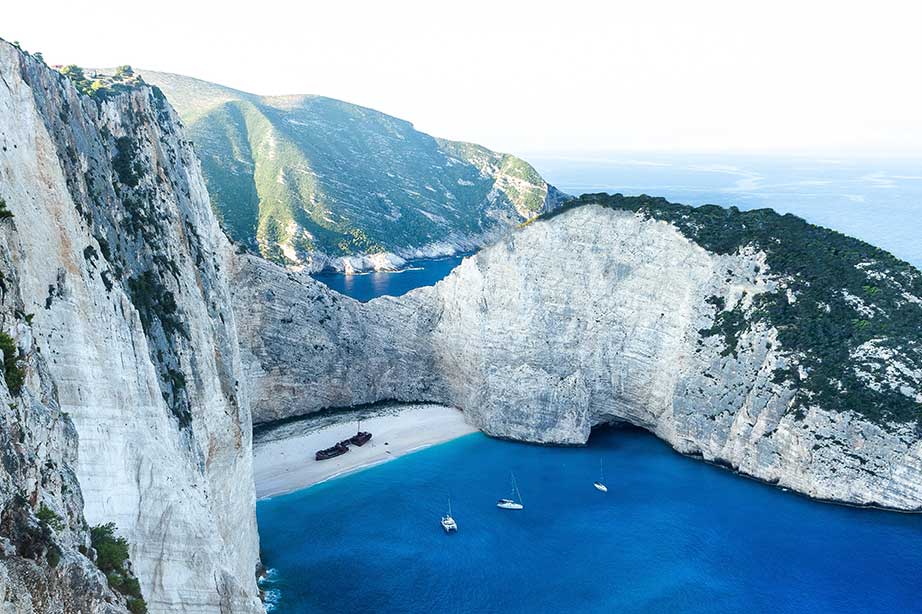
[(600, 485), (515, 503), (448, 523)]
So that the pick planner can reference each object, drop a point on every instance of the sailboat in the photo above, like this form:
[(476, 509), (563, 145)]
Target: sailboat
[(600, 485), (516, 502), (448, 523)]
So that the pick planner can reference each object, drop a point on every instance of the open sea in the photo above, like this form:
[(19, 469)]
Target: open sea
[(673, 534)]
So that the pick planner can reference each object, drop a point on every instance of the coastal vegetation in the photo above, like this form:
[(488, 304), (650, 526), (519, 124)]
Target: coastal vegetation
[(14, 374), (112, 559), (844, 308), (154, 303), (101, 86), (48, 517)]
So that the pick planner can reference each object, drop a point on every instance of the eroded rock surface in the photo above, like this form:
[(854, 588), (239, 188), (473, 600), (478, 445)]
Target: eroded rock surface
[(597, 315), (120, 263)]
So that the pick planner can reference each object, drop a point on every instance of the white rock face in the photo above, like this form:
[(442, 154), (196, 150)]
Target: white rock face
[(587, 318), (122, 265), (43, 562)]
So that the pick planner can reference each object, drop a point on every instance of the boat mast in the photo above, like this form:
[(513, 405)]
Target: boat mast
[(517, 496)]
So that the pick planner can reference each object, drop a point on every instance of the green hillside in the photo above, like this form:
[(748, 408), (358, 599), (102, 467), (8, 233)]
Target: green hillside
[(296, 175)]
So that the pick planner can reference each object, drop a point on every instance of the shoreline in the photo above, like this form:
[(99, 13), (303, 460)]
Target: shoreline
[(283, 456)]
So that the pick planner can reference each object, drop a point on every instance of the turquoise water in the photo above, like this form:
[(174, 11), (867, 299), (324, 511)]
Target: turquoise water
[(673, 535)]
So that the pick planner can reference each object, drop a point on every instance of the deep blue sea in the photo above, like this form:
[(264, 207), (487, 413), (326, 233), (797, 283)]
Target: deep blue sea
[(673, 534)]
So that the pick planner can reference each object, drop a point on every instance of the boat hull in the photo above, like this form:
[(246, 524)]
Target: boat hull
[(449, 524), (600, 486), (360, 439), (337, 450)]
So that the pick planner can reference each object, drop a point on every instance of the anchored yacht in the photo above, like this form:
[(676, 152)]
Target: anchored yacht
[(600, 485), (448, 523), (515, 503)]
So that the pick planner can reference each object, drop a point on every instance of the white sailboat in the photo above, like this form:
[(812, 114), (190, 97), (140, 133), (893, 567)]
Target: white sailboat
[(448, 523), (600, 485), (516, 502)]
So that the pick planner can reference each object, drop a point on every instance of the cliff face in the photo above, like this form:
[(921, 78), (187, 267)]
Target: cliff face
[(120, 262), (314, 182), (595, 316), (45, 563)]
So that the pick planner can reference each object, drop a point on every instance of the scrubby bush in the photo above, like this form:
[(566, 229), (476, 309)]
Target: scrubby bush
[(124, 164), (48, 517), (53, 556), (111, 550), (4, 212), (13, 372), (73, 72), (112, 560)]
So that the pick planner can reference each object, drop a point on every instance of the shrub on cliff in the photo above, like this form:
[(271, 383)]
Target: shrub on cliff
[(13, 372), (4, 212), (31, 540), (124, 163), (111, 551), (112, 560), (48, 517), (78, 78), (93, 87), (154, 302)]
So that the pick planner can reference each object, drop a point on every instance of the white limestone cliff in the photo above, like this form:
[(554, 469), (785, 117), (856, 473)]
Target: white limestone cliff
[(588, 318), (121, 263)]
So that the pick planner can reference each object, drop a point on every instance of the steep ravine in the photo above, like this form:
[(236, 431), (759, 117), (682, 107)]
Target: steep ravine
[(119, 261), (596, 315)]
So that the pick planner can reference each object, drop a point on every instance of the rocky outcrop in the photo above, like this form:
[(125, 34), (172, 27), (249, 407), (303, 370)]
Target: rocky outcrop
[(598, 315), (120, 266)]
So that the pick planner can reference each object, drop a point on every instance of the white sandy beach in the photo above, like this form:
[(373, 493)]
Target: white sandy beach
[(283, 456)]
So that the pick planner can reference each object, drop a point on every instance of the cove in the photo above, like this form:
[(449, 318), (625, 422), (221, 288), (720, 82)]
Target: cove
[(673, 534), (366, 286)]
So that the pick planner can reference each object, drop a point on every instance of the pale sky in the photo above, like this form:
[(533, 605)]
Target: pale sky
[(644, 75)]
